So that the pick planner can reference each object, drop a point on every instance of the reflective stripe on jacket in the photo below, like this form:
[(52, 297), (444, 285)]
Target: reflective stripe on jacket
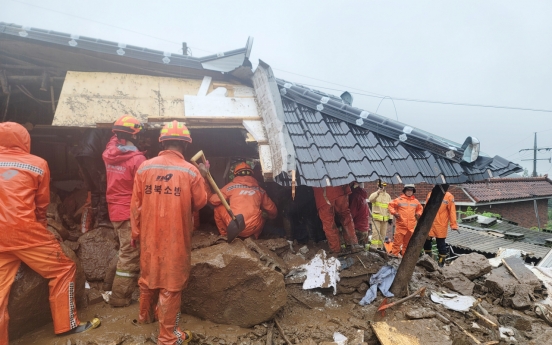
[(248, 199), (167, 189), (380, 203), (407, 208), (446, 214)]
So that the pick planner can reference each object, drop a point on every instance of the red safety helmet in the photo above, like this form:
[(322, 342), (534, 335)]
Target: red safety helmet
[(242, 167), (127, 124), (175, 131)]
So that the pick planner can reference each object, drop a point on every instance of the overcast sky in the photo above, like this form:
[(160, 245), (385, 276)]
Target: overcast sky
[(480, 52)]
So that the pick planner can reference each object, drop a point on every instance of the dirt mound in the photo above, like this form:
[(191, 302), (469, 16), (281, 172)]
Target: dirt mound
[(229, 284)]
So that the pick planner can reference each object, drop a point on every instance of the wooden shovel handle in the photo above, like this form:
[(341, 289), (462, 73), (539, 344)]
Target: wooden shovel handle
[(212, 182)]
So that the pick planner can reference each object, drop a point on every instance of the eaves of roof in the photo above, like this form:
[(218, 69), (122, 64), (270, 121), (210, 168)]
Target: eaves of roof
[(166, 62), (336, 144), (505, 189)]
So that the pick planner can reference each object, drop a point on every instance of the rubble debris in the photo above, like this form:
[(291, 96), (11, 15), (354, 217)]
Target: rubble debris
[(384, 305), (320, 272), (339, 338), (96, 252), (270, 258), (281, 330), (471, 265), (460, 284), (453, 301), (544, 312), (516, 321), (61, 230), (517, 268), (500, 281), (412, 332), (421, 313), (507, 334), (520, 299), (250, 292), (382, 280), (428, 263), (503, 253)]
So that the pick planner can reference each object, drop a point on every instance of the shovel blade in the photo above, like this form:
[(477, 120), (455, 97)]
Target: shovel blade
[(235, 227)]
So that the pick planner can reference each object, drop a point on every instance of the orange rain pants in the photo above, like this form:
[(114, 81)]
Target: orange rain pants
[(164, 305), (50, 262), (407, 208), (245, 197), (329, 201), (24, 198)]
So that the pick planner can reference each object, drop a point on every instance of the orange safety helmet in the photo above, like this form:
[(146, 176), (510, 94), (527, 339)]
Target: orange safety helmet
[(127, 124), (175, 131), (241, 167)]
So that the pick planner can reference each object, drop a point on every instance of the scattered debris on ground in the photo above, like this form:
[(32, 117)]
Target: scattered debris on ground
[(257, 292)]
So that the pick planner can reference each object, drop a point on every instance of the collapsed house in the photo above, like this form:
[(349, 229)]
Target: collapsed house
[(56, 84)]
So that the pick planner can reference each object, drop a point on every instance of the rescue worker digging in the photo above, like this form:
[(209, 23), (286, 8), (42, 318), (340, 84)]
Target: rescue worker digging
[(24, 198), (332, 200), (407, 210), (360, 212), (122, 159), (439, 229), (380, 200), (245, 197), (167, 189)]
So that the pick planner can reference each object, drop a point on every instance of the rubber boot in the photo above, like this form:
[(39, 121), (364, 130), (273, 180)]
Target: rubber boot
[(441, 261), (123, 287), (428, 252)]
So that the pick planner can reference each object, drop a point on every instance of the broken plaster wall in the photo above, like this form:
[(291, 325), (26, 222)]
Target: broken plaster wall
[(271, 110)]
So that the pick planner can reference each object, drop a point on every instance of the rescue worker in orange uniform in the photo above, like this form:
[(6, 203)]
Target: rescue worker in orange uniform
[(332, 200), (167, 190), (406, 210), (439, 229), (122, 159), (245, 197), (24, 198)]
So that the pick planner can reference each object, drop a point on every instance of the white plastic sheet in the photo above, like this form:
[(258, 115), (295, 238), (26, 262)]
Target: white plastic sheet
[(453, 301), (322, 272)]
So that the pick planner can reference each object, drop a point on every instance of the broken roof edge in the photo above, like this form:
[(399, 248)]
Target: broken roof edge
[(395, 130), (68, 41)]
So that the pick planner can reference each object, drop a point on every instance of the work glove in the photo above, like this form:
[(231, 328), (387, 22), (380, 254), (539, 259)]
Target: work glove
[(390, 221), (204, 168)]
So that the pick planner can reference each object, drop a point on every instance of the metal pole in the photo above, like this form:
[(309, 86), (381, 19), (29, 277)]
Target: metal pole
[(535, 157)]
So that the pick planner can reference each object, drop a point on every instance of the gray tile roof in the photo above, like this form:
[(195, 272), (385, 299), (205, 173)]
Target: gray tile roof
[(484, 242), (337, 143), (221, 62)]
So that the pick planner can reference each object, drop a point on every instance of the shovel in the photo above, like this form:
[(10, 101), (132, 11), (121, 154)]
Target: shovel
[(237, 224), (384, 305)]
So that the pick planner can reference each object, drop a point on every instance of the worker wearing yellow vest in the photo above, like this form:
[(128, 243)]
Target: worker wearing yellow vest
[(380, 200)]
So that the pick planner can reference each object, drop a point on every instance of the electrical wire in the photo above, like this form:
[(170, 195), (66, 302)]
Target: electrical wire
[(106, 24)]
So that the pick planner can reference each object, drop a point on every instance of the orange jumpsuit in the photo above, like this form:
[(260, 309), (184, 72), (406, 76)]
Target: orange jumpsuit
[(329, 201), (446, 214), (167, 189), (24, 197), (407, 207), (244, 197)]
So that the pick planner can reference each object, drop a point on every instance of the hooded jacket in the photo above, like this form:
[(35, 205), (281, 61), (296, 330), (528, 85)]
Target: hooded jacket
[(246, 197), (24, 191), (121, 164), (359, 209)]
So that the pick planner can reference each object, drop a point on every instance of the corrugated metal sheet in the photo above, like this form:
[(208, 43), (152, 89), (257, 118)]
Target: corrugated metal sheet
[(485, 243)]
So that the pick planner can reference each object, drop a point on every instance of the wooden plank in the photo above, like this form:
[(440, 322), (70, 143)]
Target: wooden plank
[(517, 267), (411, 332), (205, 84), (220, 106)]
